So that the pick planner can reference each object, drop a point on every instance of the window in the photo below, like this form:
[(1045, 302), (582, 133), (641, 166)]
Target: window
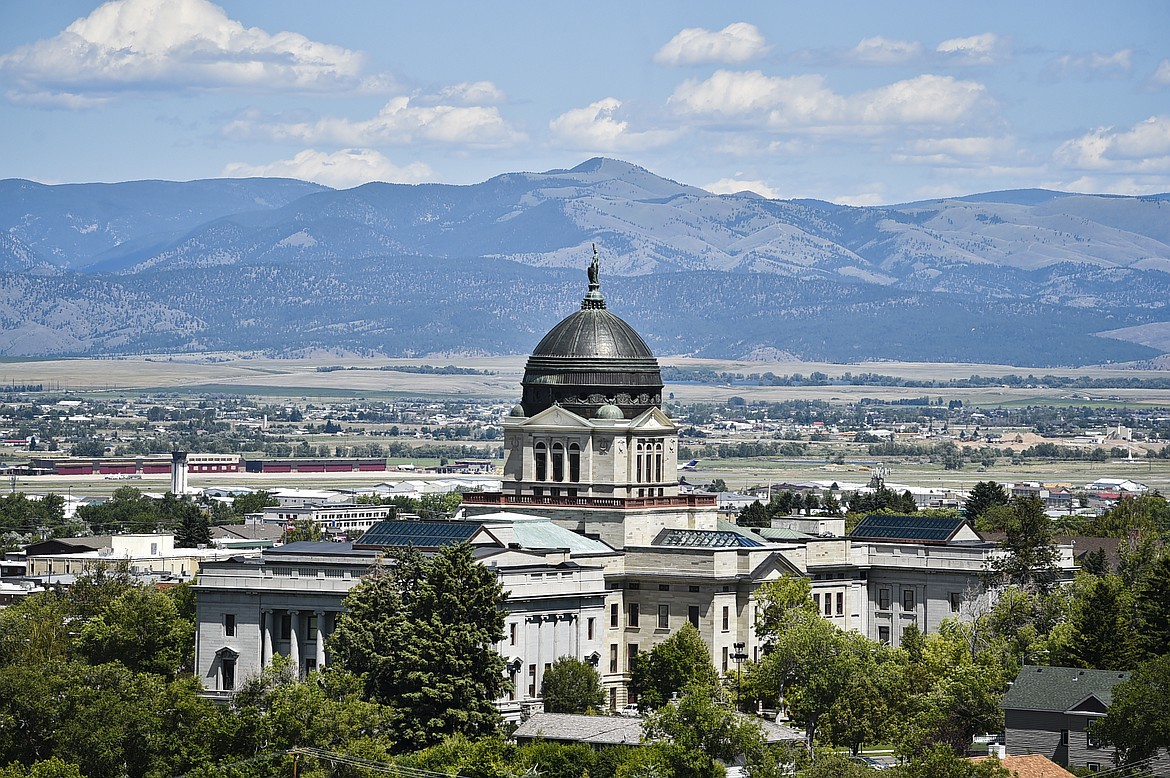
[(1064, 737), (692, 589), (229, 625), (828, 603), (907, 599), (840, 603), (883, 599), (558, 462), (631, 656), (726, 618), (1094, 767), (634, 585), (286, 626), (313, 627), (613, 615), (632, 621), (663, 616), (310, 665), (817, 600), (589, 628), (956, 601), (664, 587), (574, 462), (228, 674), (884, 635), (725, 660), (693, 615), (1090, 741), (531, 680), (512, 632), (613, 657), (541, 455)]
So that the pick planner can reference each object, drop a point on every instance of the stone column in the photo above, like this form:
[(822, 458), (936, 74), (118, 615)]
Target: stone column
[(294, 644), (266, 638), (320, 640)]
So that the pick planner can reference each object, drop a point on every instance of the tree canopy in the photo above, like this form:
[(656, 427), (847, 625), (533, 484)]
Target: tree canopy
[(670, 667), (571, 685)]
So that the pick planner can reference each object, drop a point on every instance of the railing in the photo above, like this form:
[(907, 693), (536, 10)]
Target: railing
[(625, 503)]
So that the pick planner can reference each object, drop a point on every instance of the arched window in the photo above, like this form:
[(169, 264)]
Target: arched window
[(658, 462), (638, 463), (541, 454), (558, 462), (574, 462)]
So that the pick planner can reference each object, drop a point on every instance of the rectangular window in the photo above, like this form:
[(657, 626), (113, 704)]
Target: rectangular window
[(1094, 767), (726, 618), (664, 587), (884, 635), (828, 603), (512, 633), (693, 615), (725, 660), (286, 626), (633, 619), (613, 615), (631, 656), (817, 601), (589, 628), (310, 665), (907, 599), (664, 617), (840, 603), (634, 585), (228, 674), (229, 625), (692, 589), (531, 680), (883, 599), (313, 627), (956, 601), (1090, 741), (1064, 737), (613, 657)]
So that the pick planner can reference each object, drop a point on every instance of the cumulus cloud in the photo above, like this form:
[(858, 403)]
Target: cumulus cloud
[(339, 169), (983, 49), (400, 121), (1092, 65), (173, 44), (599, 127), (1161, 76), (1144, 148), (955, 151), (477, 93), (806, 102), (735, 43), (884, 51), (734, 185)]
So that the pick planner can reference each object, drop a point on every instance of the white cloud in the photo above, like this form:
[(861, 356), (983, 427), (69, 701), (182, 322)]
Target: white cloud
[(1144, 148), (597, 127), (1094, 64), (883, 51), (477, 93), (400, 121), (1161, 76), (983, 49), (805, 101), (734, 185), (174, 44), (340, 169), (735, 43)]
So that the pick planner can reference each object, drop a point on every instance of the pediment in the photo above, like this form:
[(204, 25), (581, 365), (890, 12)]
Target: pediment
[(776, 565), (651, 420), (556, 416)]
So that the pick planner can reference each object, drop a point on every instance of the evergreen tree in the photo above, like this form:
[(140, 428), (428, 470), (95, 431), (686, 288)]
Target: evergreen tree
[(754, 515), (982, 496), (1030, 557), (1102, 635), (1152, 604)]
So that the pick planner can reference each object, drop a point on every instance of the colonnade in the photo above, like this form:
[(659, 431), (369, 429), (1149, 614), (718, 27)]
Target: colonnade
[(320, 622)]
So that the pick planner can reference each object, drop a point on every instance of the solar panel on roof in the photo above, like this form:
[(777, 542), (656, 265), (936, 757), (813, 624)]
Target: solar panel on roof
[(926, 528), (423, 534)]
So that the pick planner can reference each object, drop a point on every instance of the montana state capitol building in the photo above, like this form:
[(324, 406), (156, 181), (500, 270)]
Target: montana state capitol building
[(601, 554)]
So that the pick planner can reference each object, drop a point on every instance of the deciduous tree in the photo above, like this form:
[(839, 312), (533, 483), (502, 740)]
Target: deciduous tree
[(571, 685), (674, 664)]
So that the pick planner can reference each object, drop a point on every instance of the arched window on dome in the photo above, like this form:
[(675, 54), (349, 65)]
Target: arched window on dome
[(541, 455), (574, 462), (558, 462), (658, 461)]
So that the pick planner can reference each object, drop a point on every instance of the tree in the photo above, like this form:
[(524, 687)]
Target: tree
[(810, 503), (982, 496), (754, 515), (253, 502), (675, 663), (942, 762), (1030, 558), (830, 505), (192, 526), (572, 686), (1102, 635), (963, 703), (1152, 608), (421, 631), (143, 630), (1137, 724), (700, 727), (716, 486), (778, 601)]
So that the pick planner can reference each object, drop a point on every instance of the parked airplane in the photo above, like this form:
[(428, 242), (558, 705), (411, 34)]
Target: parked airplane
[(689, 465)]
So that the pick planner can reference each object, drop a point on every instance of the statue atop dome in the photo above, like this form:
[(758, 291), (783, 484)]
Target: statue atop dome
[(593, 298)]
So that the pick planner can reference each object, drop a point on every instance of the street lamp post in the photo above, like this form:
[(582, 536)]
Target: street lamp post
[(738, 656)]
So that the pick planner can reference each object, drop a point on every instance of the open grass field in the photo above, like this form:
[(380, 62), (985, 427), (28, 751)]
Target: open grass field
[(293, 379)]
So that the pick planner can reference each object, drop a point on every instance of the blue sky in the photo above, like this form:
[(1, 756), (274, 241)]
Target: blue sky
[(854, 102)]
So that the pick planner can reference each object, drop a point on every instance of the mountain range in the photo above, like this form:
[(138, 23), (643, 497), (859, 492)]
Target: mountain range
[(1026, 277)]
